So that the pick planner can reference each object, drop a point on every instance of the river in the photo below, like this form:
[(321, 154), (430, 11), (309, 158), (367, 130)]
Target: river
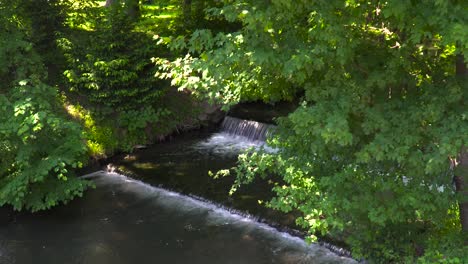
[(156, 214)]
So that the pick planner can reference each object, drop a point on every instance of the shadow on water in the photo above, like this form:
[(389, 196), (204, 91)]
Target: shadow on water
[(183, 166), (127, 220)]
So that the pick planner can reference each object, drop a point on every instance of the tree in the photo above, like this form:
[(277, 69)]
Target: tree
[(366, 155), (112, 68), (39, 144), (187, 11), (132, 7), (461, 164), (193, 16)]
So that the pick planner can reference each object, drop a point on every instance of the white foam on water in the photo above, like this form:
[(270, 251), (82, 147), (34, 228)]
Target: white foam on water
[(214, 215), (223, 143)]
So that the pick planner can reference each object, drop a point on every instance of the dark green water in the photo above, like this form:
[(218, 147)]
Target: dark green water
[(125, 220), (183, 166)]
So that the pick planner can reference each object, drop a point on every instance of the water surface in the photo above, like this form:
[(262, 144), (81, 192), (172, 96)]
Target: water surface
[(125, 220)]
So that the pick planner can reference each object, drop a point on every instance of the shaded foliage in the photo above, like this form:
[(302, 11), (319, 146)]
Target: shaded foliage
[(366, 155), (39, 145), (112, 88), (110, 64)]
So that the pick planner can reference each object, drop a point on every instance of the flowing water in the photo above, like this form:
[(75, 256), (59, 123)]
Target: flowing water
[(128, 220), (254, 131)]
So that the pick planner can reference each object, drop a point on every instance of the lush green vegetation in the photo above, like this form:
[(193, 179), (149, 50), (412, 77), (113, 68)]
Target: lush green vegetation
[(369, 157), (39, 145), (78, 82)]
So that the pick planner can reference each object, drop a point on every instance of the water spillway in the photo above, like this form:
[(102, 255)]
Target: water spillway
[(128, 221), (251, 130), (149, 218)]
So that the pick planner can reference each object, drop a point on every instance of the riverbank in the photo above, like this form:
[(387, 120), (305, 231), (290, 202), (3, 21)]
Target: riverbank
[(125, 220), (182, 166)]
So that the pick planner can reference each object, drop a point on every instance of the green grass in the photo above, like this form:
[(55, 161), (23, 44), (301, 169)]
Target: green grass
[(156, 19)]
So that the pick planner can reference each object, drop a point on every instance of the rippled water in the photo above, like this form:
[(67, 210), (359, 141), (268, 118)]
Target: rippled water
[(229, 145), (125, 220)]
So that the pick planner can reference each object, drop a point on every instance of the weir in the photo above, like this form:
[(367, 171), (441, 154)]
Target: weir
[(169, 211), (200, 215), (252, 130)]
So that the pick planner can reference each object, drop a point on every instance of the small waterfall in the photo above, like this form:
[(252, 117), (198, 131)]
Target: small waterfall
[(285, 246), (250, 129)]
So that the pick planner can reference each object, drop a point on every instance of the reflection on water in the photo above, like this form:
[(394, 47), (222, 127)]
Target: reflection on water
[(127, 221)]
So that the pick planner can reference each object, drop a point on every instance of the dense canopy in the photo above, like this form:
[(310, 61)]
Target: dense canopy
[(374, 155), (383, 111)]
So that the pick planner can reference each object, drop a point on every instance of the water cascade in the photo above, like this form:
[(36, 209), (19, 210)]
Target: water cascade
[(236, 135), (252, 130), (165, 214)]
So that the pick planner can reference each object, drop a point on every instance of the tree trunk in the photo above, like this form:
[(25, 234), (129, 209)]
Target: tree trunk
[(199, 11), (187, 12), (46, 20), (110, 2), (133, 9), (461, 176), (461, 170)]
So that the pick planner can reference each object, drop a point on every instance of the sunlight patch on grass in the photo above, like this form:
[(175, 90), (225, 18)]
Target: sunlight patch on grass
[(158, 11), (157, 19), (159, 7), (86, 26), (166, 16)]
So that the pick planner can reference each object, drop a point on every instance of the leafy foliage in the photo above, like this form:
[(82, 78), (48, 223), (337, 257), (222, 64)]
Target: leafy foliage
[(112, 90), (107, 101), (39, 149), (39, 145), (111, 65), (365, 157)]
